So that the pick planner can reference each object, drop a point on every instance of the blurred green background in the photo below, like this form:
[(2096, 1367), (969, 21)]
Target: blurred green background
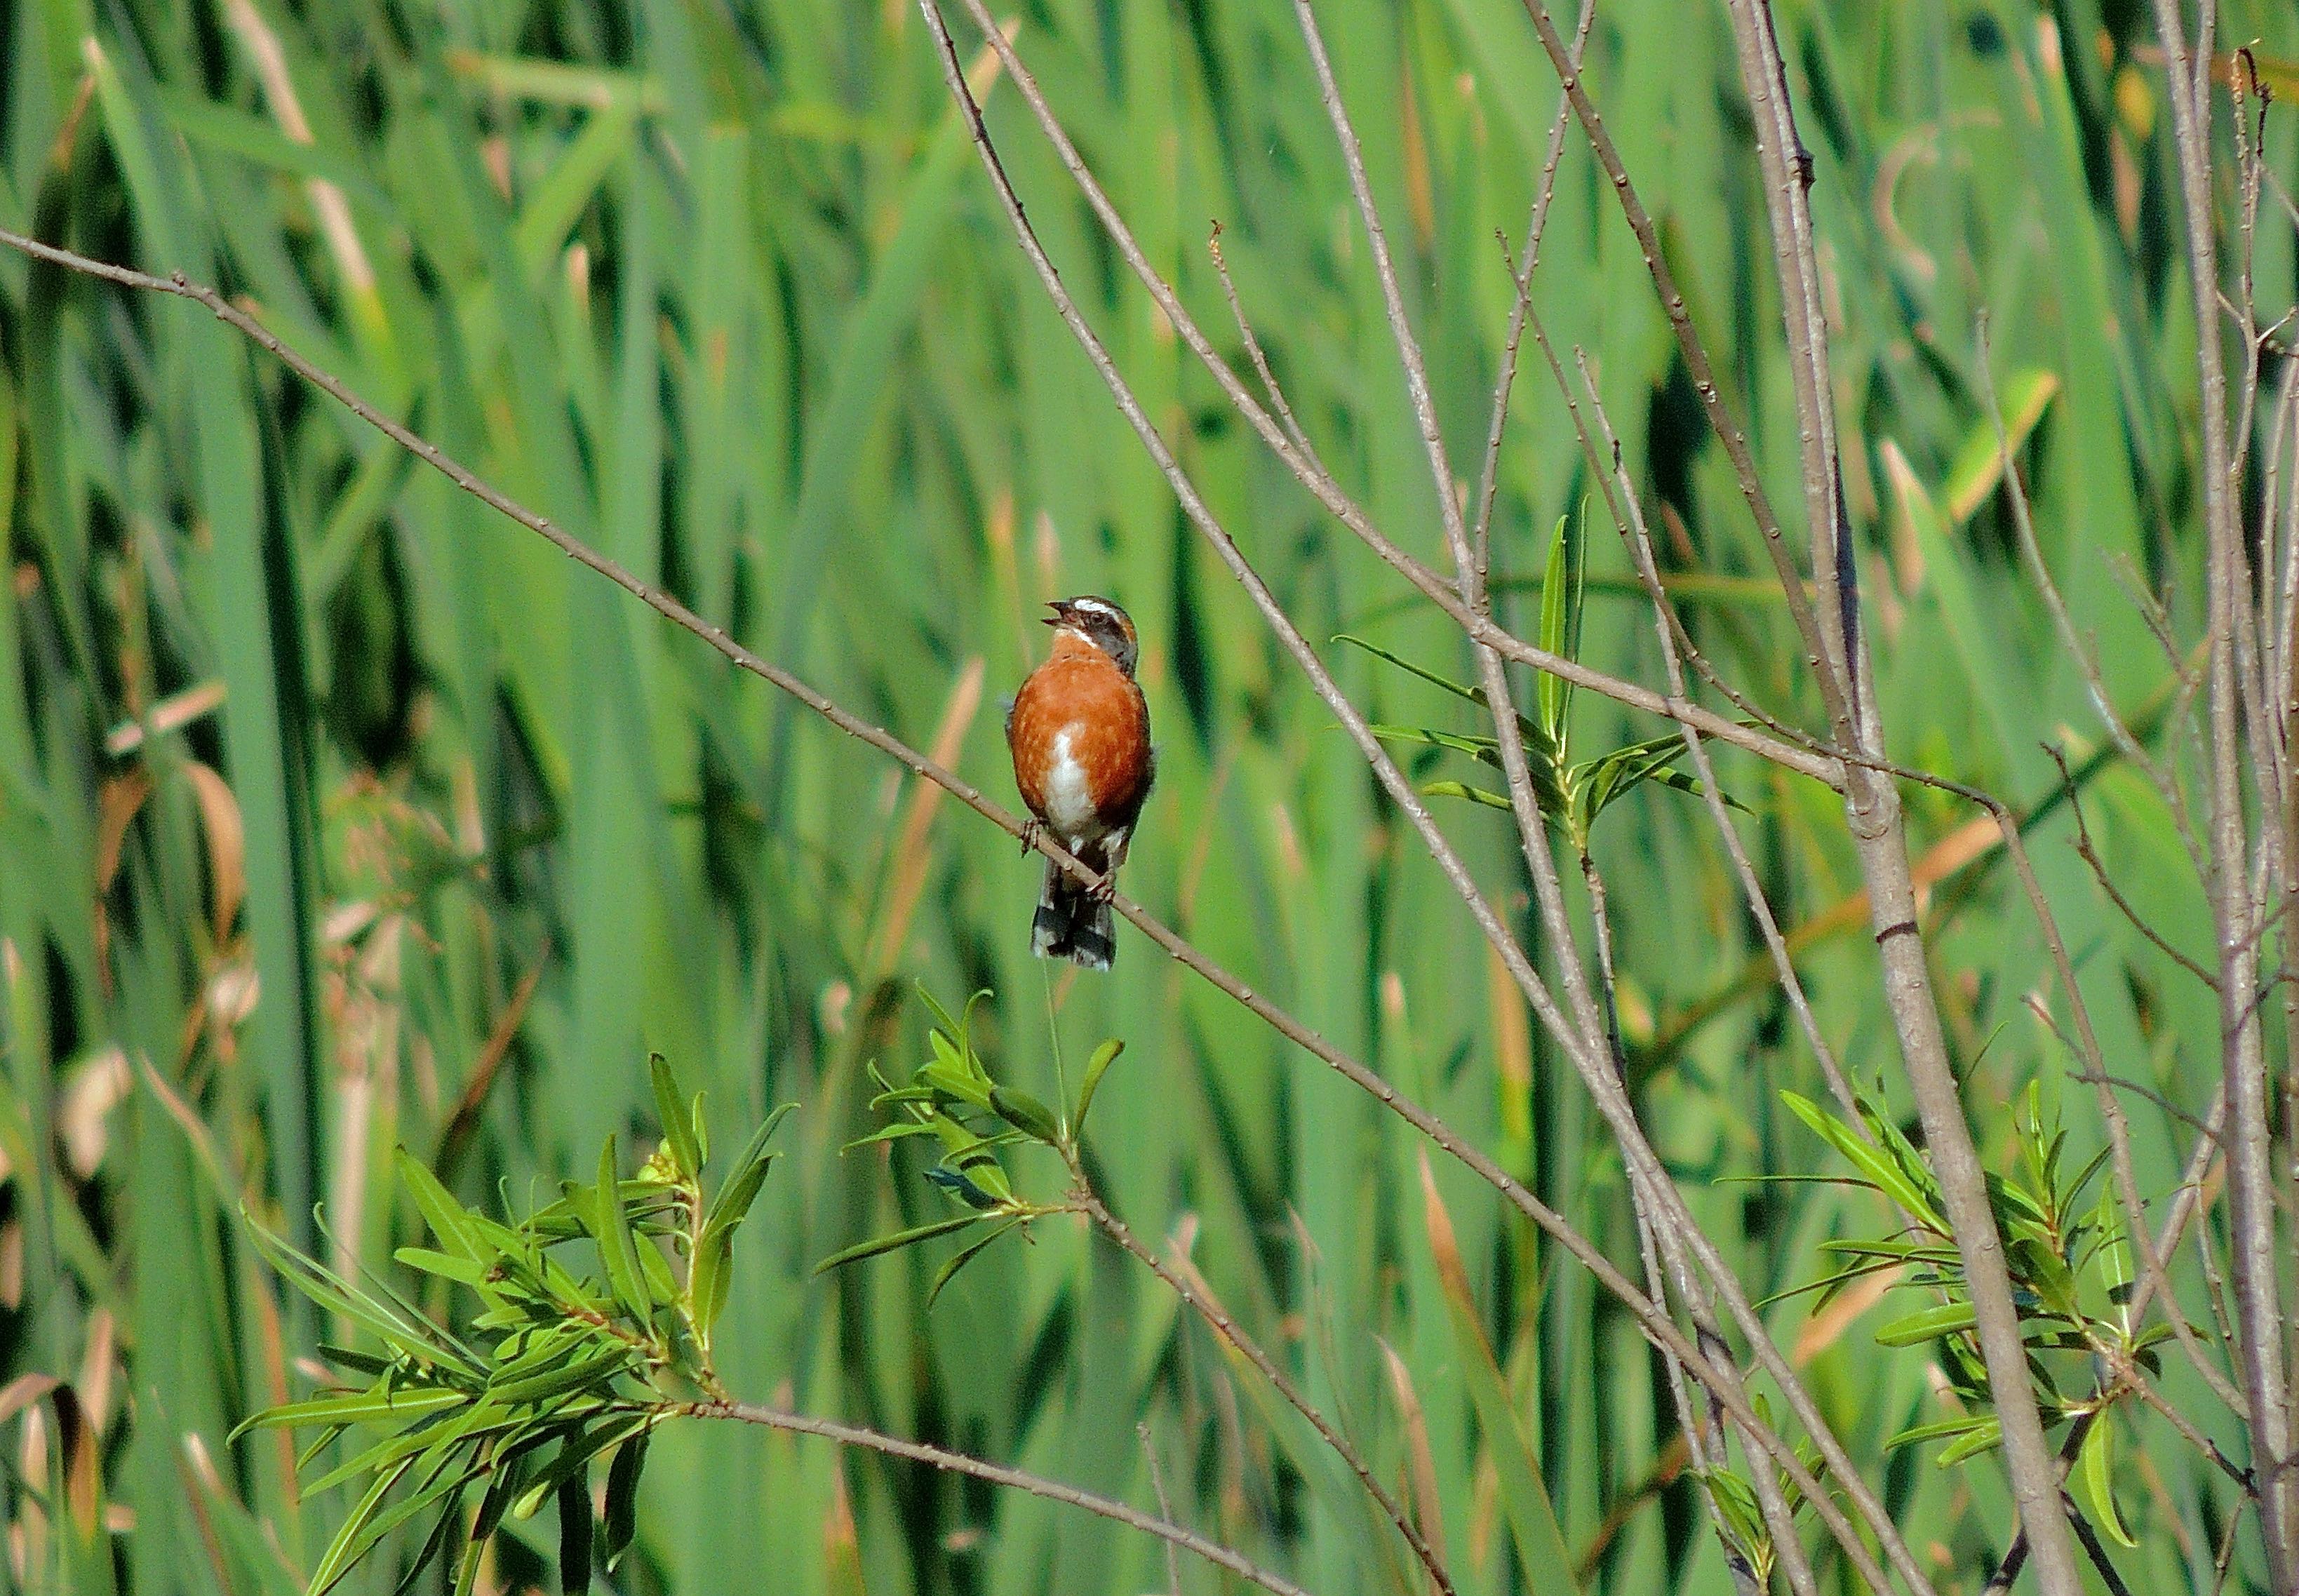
[(339, 813)]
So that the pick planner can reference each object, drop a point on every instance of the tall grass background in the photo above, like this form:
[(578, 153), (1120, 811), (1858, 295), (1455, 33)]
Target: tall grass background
[(337, 814)]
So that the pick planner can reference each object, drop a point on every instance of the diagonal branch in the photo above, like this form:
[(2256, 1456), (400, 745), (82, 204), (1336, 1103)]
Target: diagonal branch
[(1218, 1319), (995, 1474)]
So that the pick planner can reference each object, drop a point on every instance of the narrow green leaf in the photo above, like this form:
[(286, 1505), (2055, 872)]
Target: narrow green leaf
[(407, 1333), (2095, 1470), (1948, 1319), (1562, 592), (354, 1407), (1884, 1171), (1538, 742), (621, 1521), (1095, 1067), (422, 1436), (752, 1153), (576, 1448), (1962, 1425), (447, 1218), (894, 1242), (708, 1283), (463, 1270), (443, 1483), (734, 1197), (1484, 750), (1985, 1437), (1454, 789), (944, 1021), (963, 1256), (1459, 690), (616, 1246), (598, 1369), (670, 1108), (337, 1560), (889, 1132), (574, 1535), (1026, 1114)]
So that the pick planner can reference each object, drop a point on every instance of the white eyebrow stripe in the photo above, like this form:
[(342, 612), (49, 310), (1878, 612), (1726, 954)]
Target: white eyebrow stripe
[(1095, 606)]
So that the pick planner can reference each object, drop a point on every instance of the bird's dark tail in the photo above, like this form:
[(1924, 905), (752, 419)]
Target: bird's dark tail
[(1071, 924)]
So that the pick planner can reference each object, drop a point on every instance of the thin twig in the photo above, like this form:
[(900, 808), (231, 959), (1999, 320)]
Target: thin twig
[(996, 1473), (1218, 1321), (2105, 881), (1696, 363), (1520, 272), (1260, 362), (1165, 1508)]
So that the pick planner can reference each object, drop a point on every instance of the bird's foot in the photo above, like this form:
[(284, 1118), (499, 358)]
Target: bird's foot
[(1032, 830)]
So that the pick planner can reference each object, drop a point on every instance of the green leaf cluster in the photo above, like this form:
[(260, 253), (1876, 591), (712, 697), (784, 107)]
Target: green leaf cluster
[(1569, 794), (1741, 1510), (972, 1117), (591, 1323), (2070, 1262)]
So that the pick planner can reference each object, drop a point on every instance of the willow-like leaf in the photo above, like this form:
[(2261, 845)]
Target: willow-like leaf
[(963, 1256), (1562, 592), (1538, 742), (2094, 1471), (1096, 1068), (1026, 1114), (894, 1242), (1454, 789), (448, 1220), (353, 1408), (620, 1522), (1948, 1319), (670, 1108), (1896, 1180)]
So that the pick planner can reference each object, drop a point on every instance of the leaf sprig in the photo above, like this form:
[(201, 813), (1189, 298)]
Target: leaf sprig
[(558, 1367), (2070, 1263), (953, 1098), (1570, 794)]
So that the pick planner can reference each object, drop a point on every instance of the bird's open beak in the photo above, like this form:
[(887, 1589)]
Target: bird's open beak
[(1061, 612)]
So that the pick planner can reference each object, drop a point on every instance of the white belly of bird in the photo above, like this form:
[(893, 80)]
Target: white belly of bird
[(1069, 799)]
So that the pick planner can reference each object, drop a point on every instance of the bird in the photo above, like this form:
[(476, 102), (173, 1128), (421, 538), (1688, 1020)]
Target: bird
[(1079, 731)]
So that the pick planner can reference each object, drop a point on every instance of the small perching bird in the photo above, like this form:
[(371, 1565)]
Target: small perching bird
[(1079, 732)]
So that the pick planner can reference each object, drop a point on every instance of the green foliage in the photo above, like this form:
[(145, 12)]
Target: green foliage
[(1570, 794), (953, 1098), (1739, 1506), (557, 1369), (2071, 1271)]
